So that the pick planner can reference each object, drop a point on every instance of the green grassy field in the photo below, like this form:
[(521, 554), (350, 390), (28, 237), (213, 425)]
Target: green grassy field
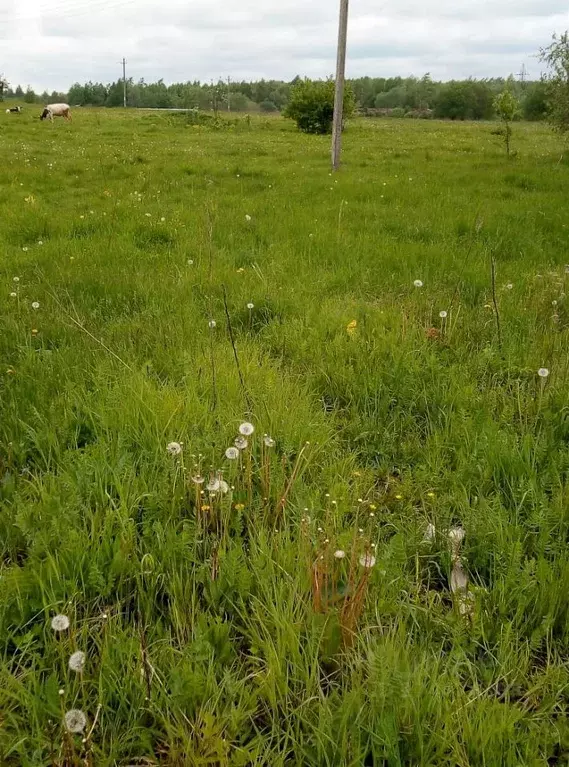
[(219, 628)]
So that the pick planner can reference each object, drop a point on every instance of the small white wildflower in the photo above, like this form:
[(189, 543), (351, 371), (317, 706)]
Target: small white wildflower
[(554, 303), (60, 623), (339, 554), (35, 305), (212, 324), (190, 262), (13, 295), (246, 429), (418, 283), (25, 249), (174, 448), (509, 286), (443, 315), (148, 215), (367, 561), (269, 441), (75, 721), (543, 372), (241, 443), (40, 242), (250, 306), (15, 279), (247, 217), (162, 219), (232, 453), (62, 691), (77, 662)]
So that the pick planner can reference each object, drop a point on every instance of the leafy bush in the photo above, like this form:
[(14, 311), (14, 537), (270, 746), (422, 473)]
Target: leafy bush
[(311, 105), (268, 106)]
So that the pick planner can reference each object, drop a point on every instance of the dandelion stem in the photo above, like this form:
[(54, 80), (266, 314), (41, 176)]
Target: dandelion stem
[(235, 354)]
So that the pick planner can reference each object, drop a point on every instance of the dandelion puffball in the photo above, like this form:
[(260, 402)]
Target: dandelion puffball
[(13, 295), (174, 448), (443, 315), (418, 283), (15, 279), (241, 443), (60, 623), (212, 324), (77, 661), (367, 561), (232, 453), (269, 441), (246, 429), (214, 485), (75, 721), (35, 305), (339, 554), (247, 217), (198, 479), (250, 306), (543, 372), (223, 487)]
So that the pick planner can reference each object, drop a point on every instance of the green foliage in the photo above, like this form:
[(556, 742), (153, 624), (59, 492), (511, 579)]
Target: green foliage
[(203, 645), (29, 96), (311, 105), (268, 106), (535, 101), (469, 100), (507, 109), (556, 56)]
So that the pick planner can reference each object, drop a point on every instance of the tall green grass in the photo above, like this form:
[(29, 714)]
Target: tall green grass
[(212, 627)]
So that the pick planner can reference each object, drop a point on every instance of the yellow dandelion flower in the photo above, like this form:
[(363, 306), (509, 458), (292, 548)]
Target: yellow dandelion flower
[(399, 497), (372, 506), (430, 495), (205, 507), (239, 506), (352, 327)]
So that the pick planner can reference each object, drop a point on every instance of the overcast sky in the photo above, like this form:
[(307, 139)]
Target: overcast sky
[(50, 44)]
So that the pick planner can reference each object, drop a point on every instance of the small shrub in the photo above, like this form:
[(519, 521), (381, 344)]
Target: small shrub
[(311, 105)]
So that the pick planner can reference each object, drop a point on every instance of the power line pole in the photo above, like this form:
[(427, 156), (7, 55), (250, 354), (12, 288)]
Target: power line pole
[(523, 75), (229, 94), (340, 81), (124, 81)]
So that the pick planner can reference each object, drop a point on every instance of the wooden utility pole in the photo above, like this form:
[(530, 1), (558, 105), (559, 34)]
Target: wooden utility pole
[(229, 94), (124, 81), (340, 79)]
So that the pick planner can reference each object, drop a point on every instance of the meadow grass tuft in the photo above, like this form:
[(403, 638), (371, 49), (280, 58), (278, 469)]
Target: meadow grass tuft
[(284, 455)]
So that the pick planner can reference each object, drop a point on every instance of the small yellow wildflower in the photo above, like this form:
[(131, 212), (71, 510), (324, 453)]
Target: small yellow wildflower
[(205, 507), (399, 497), (352, 327), (372, 506), (430, 495), (239, 506)]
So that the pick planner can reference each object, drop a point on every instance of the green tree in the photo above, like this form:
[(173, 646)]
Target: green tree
[(268, 106), (556, 56), (507, 108), (4, 86), (535, 103), (19, 92), (311, 105), (29, 96)]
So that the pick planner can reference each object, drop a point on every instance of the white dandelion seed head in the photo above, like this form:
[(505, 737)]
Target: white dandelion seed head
[(214, 485), (174, 448), (232, 453), (35, 305), (367, 561), (40, 242), (443, 315), (543, 372), (339, 554), (77, 661), (250, 306), (190, 262), (223, 487), (509, 286), (212, 324), (554, 303), (25, 249), (75, 721), (198, 479), (61, 691), (430, 533), (456, 536), (247, 217), (418, 283), (13, 295), (241, 443), (269, 441), (15, 279), (60, 623), (246, 429)]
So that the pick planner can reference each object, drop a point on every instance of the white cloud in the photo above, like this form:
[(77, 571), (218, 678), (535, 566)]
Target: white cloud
[(52, 43)]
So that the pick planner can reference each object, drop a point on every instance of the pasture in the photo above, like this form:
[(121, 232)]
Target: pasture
[(163, 283)]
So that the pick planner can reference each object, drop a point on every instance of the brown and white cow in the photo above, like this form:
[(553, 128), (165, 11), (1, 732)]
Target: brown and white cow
[(56, 110)]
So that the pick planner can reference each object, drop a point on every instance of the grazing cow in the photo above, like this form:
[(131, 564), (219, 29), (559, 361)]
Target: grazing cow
[(56, 110), (15, 110)]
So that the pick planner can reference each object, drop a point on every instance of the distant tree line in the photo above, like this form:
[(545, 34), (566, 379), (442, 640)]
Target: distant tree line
[(379, 96)]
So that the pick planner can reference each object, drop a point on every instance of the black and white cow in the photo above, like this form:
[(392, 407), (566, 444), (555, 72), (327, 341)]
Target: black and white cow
[(14, 110)]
